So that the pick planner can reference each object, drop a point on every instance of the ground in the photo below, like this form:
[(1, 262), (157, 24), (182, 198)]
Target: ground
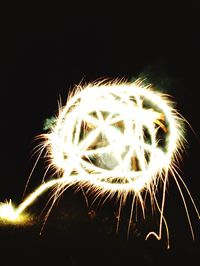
[(76, 235)]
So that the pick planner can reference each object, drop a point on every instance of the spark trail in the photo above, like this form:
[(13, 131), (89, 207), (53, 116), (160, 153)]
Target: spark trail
[(113, 138)]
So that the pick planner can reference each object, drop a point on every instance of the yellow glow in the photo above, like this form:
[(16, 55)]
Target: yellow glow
[(7, 211), (112, 137), (10, 215)]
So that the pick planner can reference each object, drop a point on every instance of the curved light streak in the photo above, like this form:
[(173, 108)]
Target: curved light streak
[(112, 137)]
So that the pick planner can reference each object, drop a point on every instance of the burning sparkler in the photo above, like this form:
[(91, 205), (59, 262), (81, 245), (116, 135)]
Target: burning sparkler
[(113, 138)]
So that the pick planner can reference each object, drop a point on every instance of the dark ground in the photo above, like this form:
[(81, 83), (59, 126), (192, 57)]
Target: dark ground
[(44, 52), (72, 237)]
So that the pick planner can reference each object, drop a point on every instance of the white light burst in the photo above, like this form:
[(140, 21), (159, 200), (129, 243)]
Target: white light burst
[(114, 138)]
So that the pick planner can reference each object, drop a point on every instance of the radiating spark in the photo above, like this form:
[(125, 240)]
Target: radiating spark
[(113, 138), (9, 214)]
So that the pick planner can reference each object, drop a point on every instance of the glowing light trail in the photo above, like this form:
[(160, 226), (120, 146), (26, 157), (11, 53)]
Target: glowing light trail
[(113, 137)]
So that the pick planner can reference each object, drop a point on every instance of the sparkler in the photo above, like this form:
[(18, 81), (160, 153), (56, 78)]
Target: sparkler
[(113, 138)]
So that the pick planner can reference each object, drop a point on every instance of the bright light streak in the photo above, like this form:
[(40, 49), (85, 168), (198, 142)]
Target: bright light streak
[(9, 214), (113, 138)]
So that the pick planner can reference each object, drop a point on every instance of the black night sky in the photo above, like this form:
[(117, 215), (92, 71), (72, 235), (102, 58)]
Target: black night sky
[(44, 52)]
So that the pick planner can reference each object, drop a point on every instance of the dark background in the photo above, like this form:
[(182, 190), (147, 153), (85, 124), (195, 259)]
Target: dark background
[(44, 52)]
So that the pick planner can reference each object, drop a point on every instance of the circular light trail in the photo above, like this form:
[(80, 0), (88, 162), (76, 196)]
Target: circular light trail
[(112, 138)]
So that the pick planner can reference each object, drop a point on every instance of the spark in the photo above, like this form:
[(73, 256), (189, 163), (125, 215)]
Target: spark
[(9, 214), (113, 138)]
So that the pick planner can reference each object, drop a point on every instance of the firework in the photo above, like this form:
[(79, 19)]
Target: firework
[(112, 138)]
